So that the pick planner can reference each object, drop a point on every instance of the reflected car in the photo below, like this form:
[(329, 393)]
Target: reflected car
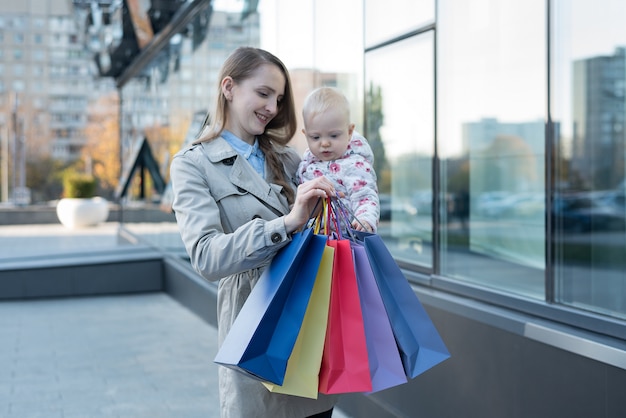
[(518, 204), (587, 212), (389, 206)]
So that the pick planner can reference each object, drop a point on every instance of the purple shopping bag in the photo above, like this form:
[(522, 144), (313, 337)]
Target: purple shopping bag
[(420, 345), (264, 333), (384, 358)]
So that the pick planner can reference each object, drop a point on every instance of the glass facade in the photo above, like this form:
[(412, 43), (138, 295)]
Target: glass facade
[(415, 15), (497, 127), (400, 127), (525, 155), (165, 104), (588, 182), (491, 107)]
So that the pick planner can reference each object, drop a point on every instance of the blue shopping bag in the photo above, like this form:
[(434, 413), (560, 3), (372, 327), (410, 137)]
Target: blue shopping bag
[(419, 343), (303, 367), (264, 333)]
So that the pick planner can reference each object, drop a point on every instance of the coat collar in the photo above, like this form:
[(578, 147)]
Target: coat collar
[(242, 175)]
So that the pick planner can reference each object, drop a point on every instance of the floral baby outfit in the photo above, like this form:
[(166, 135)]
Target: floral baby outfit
[(353, 174)]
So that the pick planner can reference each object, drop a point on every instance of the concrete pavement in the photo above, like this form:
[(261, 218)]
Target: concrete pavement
[(119, 356)]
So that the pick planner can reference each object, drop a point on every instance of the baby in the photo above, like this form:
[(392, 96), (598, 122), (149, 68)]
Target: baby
[(337, 151)]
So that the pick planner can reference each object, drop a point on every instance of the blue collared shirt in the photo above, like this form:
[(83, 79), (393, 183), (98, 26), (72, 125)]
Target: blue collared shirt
[(252, 153)]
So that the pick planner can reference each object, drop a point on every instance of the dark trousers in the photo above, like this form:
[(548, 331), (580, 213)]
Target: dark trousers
[(327, 414)]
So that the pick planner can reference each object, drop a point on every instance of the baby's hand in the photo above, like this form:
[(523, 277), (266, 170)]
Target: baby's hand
[(362, 226)]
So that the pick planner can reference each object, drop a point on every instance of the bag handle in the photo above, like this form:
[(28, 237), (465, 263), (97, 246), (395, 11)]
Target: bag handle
[(343, 215), (348, 214), (321, 219)]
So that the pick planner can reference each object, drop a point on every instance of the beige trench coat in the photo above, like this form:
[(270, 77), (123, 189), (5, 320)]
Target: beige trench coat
[(231, 222)]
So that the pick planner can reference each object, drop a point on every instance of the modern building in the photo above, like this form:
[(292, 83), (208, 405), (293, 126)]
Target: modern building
[(161, 100), (511, 233), (598, 146), (47, 76)]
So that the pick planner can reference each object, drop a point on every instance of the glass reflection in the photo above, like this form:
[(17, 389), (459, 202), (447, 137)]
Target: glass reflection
[(162, 109), (408, 15), (166, 103), (491, 101), (589, 213), (400, 128)]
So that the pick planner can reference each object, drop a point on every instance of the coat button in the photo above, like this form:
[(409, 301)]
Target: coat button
[(276, 238)]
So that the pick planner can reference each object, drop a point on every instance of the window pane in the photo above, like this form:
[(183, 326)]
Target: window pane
[(589, 102), (402, 16), (400, 127), (491, 106), (313, 57)]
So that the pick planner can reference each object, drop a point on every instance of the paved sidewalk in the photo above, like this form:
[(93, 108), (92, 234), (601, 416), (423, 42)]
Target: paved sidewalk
[(122, 356)]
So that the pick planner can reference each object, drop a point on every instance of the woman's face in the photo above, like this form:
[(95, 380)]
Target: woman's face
[(253, 102)]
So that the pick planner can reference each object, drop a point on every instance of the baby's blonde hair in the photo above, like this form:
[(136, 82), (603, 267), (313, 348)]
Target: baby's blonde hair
[(322, 99)]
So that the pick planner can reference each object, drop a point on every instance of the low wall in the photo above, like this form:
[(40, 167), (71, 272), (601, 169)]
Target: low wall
[(100, 273), (35, 215)]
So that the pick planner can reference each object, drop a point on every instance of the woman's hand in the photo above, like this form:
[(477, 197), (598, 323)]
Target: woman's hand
[(307, 196)]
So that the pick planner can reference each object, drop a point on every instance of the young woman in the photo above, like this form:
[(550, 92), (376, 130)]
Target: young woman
[(237, 201)]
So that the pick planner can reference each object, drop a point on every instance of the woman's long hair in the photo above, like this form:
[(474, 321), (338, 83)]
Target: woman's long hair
[(241, 65)]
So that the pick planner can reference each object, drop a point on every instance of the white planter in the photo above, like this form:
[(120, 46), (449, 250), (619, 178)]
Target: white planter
[(79, 213)]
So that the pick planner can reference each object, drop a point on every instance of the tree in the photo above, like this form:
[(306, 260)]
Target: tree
[(28, 141), (43, 177), (101, 153), (374, 119)]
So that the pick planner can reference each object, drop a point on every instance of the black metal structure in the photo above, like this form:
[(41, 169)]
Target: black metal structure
[(142, 160)]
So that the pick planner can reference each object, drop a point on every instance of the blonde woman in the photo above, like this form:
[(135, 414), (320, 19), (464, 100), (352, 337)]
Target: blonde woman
[(237, 201)]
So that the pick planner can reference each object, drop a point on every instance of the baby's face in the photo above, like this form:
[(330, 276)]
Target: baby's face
[(328, 134)]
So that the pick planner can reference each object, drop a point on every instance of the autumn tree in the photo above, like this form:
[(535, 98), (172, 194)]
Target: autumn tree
[(101, 153), (374, 120), (27, 148)]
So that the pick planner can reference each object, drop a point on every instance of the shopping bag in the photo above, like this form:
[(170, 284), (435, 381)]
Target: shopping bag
[(384, 358), (419, 343), (303, 367), (345, 366), (262, 336)]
